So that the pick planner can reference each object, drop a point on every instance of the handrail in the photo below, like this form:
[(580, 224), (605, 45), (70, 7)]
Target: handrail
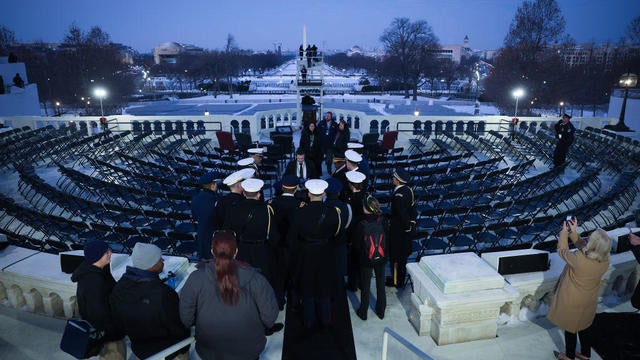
[(403, 341), (171, 349)]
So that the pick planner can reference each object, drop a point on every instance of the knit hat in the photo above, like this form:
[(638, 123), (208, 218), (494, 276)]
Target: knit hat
[(144, 256), (94, 250)]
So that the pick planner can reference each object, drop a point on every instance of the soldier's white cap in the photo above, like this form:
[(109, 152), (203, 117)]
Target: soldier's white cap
[(316, 186), (354, 145), (355, 177), (353, 156), (252, 185), (246, 161), (256, 150), (238, 176)]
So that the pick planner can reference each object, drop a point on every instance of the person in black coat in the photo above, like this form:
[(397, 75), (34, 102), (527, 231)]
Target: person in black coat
[(311, 234), (327, 129), (146, 308), (341, 138), (203, 210), (371, 214), (355, 199), (402, 224), (310, 144), (346, 216), (95, 284), (284, 206), (254, 223), (565, 132), (634, 240), (301, 167), (233, 198)]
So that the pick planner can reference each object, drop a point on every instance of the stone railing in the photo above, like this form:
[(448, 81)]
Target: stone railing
[(460, 297), (34, 281)]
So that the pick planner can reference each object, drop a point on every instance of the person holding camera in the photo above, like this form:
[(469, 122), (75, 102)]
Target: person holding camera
[(574, 303)]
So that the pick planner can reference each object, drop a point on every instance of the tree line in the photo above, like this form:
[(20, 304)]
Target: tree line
[(533, 57)]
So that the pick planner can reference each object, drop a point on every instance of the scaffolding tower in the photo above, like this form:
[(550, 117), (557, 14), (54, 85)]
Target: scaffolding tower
[(309, 82)]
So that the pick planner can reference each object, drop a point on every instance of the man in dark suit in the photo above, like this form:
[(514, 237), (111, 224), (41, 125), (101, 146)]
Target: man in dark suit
[(565, 132), (301, 167), (311, 234), (327, 129), (402, 224)]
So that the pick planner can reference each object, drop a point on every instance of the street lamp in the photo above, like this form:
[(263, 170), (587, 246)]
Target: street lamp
[(416, 113), (627, 80), (517, 93), (100, 93), (561, 108)]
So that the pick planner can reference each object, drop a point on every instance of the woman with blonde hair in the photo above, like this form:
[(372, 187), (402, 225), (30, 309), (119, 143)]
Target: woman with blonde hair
[(573, 307), (230, 303)]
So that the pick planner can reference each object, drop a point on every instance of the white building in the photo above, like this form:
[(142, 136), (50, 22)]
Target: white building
[(15, 100)]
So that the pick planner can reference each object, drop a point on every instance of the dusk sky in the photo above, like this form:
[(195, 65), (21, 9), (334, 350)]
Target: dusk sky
[(331, 24)]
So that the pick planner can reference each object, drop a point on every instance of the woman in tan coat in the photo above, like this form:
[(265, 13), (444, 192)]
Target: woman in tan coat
[(574, 304)]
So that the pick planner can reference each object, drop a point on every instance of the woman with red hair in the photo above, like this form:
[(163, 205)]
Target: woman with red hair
[(230, 303)]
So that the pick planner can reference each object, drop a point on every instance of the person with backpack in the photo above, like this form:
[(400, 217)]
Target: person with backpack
[(370, 238)]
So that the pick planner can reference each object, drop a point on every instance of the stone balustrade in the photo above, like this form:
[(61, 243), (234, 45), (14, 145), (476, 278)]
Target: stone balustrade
[(34, 281)]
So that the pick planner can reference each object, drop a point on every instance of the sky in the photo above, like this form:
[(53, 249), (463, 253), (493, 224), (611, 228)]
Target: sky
[(331, 24)]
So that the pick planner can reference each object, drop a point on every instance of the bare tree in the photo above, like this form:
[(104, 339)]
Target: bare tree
[(535, 25), (410, 43), (7, 39), (632, 33)]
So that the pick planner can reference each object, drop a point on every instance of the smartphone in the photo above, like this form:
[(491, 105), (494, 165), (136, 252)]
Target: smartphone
[(569, 217)]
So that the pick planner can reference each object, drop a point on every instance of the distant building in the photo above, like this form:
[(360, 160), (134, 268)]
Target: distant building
[(582, 54), (169, 52)]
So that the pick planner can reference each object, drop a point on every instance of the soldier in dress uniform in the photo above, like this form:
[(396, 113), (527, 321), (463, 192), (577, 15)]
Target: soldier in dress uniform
[(203, 210), (249, 163), (311, 234), (353, 160), (234, 197), (402, 225), (253, 221), (340, 242), (356, 196), (340, 167), (284, 206), (363, 165)]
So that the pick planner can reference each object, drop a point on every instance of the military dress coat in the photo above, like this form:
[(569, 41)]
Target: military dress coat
[(574, 303)]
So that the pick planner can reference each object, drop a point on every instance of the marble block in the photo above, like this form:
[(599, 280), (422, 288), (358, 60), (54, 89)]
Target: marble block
[(469, 310), (463, 272)]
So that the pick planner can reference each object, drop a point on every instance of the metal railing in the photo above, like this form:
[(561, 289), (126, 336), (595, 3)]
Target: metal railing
[(171, 349), (404, 342)]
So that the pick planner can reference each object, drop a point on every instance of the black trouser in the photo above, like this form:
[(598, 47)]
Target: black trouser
[(381, 298), (570, 340), (353, 269), (560, 155)]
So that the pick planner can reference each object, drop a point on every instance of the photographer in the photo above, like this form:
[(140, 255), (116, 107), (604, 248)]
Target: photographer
[(634, 240), (574, 303)]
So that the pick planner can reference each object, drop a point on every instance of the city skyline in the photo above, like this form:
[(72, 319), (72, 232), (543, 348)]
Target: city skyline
[(330, 24)]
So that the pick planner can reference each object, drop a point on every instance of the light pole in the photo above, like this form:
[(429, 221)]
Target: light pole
[(561, 108), (100, 93), (626, 81), (517, 93)]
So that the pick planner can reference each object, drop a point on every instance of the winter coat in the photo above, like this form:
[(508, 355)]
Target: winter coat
[(147, 310), (92, 294), (574, 303), (228, 331)]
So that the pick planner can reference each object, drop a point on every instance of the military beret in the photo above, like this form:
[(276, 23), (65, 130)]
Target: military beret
[(209, 178)]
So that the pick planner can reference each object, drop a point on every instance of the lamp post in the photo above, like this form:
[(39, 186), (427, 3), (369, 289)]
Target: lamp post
[(100, 93), (517, 93), (561, 108), (626, 81)]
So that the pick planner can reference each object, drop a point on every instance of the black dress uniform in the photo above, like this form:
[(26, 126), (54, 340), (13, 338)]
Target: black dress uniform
[(253, 221), (224, 205), (346, 217), (311, 234), (284, 207), (402, 221), (565, 132), (353, 260)]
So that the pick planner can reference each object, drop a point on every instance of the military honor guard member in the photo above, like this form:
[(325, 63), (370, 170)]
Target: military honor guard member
[(402, 225)]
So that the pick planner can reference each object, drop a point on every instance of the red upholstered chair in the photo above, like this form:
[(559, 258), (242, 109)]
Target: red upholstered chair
[(225, 140), (388, 140)]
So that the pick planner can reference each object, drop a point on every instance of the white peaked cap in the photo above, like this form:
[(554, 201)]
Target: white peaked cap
[(355, 177), (354, 145), (256, 150), (353, 156), (316, 186), (234, 178), (252, 185), (246, 161)]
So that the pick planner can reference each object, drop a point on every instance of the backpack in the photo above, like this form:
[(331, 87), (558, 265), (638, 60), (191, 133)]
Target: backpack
[(374, 240)]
